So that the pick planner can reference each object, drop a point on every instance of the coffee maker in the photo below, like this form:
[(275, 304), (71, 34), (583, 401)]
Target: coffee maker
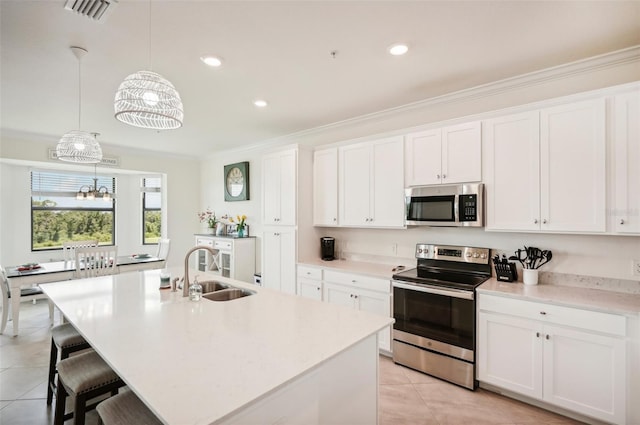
[(327, 248)]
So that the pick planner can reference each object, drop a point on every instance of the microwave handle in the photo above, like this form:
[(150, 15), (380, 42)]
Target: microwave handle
[(466, 295)]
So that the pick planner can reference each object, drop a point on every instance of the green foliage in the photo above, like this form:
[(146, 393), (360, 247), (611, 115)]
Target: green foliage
[(152, 226), (52, 228)]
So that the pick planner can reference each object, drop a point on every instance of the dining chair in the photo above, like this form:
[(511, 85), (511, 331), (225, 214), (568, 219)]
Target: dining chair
[(69, 248), (26, 294), (163, 248), (92, 261)]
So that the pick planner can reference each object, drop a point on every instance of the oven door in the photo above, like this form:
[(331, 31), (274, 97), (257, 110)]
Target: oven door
[(435, 318)]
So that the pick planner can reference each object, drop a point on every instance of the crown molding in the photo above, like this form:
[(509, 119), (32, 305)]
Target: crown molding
[(616, 58)]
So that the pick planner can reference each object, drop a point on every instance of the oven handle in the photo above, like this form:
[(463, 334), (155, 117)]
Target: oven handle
[(455, 293)]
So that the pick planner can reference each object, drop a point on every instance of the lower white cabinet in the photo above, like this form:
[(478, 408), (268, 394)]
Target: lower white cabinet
[(348, 289), (568, 357), (310, 282), (279, 259), (236, 256)]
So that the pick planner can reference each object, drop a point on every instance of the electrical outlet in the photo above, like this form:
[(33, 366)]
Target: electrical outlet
[(636, 267)]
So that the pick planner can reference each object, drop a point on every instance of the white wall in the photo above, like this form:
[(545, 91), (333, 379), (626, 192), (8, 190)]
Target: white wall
[(19, 153), (604, 256)]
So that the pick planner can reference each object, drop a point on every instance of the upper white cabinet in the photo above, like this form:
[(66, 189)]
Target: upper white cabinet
[(325, 187), (371, 184), (626, 142), (512, 172), (444, 156), (573, 167), (279, 171), (545, 170)]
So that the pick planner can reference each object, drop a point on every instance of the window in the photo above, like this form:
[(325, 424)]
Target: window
[(151, 210), (57, 216)]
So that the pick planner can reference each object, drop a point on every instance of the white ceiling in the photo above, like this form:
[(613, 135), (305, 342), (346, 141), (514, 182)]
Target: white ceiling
[(280, 51)]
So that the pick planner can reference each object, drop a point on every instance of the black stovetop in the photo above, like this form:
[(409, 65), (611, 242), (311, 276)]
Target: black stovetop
[(443, 278)]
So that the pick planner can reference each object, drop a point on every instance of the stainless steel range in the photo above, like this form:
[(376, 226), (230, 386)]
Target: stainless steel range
[(434, 307)]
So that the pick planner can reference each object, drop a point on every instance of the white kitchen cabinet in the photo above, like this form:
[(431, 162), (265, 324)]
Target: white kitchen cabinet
[(568, 357), (545, 170), (361, 293), (572, 167), (279, 190), (325, 187), (626, 141), (512, 172), (444, 155), (371, 184), (279, 259), (236, 257), (310, 282)]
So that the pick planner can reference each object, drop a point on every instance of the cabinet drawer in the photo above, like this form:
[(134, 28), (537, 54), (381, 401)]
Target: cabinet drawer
[(358, 281), (548, 313), (205, 242), (223, 245), (310, 272)]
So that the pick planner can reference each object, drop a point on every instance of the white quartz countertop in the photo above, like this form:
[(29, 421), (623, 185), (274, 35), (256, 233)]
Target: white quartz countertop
[(197, 362), (384, 271), (591, 299)]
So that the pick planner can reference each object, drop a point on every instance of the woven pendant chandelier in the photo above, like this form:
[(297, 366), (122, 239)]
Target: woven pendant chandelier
[(77, 145), (148, 100)]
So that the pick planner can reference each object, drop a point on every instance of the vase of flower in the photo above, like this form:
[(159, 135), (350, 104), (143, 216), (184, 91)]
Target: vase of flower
[(210, 218), (240, 224)]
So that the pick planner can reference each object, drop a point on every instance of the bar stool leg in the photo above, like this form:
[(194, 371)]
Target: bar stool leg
[(52, 372), (79, 409), (61, 399)]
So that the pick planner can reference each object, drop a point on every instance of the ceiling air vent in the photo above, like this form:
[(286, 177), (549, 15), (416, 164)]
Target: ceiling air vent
[(98, 10)]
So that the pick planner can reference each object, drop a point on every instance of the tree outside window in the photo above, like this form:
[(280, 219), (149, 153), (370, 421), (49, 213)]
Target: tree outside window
[(57, 216), (151, 210)]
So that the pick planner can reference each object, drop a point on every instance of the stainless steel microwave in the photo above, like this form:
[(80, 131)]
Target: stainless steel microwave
[(446, 206)]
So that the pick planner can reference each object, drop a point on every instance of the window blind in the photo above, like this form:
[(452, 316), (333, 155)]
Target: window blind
[(49, 183)]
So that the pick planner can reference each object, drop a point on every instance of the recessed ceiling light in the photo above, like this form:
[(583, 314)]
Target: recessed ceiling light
[(260, 103), (398, 49), (211, 61)]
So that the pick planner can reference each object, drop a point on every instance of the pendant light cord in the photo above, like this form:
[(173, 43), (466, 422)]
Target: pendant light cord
[(149, 39), (79, 93)]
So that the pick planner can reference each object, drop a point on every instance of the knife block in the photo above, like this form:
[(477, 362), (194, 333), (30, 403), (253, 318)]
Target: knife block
[(506, 272)]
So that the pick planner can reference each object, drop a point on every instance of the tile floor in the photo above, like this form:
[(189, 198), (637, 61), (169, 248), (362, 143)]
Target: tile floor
[(406, 397)]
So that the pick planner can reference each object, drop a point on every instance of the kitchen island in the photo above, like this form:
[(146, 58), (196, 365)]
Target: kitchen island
[(265, 358)]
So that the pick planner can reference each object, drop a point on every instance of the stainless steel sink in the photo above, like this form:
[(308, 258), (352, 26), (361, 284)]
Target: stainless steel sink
[(228, 294), (212, 286)]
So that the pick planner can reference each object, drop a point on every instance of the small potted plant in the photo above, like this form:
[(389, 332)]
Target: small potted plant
[(208, 217)]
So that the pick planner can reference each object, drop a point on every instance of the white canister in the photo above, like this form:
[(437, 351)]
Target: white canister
[(530, 276)]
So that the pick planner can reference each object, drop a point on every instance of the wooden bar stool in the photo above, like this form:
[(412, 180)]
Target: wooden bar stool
[(84, 377), (125, 409), (66, 340)]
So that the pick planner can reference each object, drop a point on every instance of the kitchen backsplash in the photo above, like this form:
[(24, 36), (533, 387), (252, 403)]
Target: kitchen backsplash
[(590, 282)]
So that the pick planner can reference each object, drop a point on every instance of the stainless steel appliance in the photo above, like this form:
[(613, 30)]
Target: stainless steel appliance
[(434, 307), (449, 205), (327, 248)]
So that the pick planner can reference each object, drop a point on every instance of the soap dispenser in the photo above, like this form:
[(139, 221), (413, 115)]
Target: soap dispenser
[(195, 290)]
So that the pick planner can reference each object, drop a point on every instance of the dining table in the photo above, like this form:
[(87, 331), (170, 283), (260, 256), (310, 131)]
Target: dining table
[(55, 271)]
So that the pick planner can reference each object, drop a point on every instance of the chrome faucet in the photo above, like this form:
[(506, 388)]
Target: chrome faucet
[(185, 284)]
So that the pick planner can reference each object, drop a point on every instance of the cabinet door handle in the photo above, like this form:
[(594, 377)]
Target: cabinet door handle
[(350, 295), (353, 281), (547, 336), (438, 176), (535, 221), (544, 221), (318, 288), (355, 296), (537, 334), (308, 272), (621, 221), (444, 176), (543, 313), (335, 219)]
